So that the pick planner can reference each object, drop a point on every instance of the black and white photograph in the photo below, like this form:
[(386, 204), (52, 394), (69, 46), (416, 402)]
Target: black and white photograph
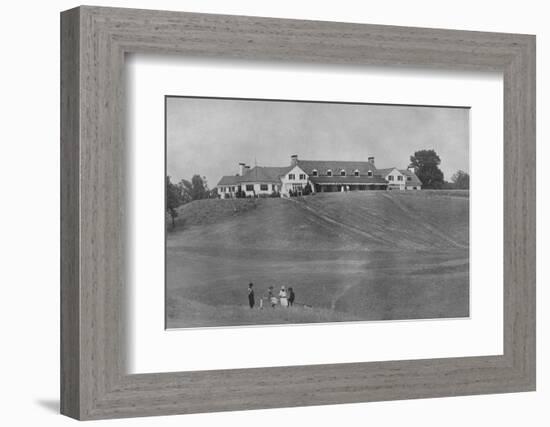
[(292, 212)]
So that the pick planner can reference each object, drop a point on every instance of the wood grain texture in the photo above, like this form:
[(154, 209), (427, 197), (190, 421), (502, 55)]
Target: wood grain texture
[(94, 382), (70, 292)]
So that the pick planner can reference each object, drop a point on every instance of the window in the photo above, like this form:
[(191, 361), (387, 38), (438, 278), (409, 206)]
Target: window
[(369, 173), (356, 173), (390, 178), (400, 178), (302, 176), (342, 172), (291, 176), (329, 172), (249, 187), (315, 173), (263, 187), (409, 178)]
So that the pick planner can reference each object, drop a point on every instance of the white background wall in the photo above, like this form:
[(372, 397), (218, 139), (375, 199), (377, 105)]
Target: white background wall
[(29, 225)]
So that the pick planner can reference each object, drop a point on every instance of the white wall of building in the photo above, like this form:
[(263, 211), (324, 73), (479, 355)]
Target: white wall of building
[(252, 189), (294, 178), (396, 180), (257, 189)]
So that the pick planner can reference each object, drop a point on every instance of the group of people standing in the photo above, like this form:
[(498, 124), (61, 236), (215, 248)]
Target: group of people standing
[(285, 297)]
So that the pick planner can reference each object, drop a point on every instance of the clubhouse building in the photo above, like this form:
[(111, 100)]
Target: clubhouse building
[(315, 176)]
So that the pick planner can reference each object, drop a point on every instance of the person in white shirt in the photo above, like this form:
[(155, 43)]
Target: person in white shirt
[(283, 299)]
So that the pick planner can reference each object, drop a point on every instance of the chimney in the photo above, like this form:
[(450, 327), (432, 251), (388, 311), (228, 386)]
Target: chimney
[(241, 169), (246, 169), (412, 169), (371, 160), (294, 160)]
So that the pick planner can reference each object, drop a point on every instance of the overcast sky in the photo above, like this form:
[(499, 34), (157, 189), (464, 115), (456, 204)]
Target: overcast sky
[(211, 136)]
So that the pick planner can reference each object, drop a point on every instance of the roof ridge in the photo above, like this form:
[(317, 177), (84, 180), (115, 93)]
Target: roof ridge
[(339, 161)]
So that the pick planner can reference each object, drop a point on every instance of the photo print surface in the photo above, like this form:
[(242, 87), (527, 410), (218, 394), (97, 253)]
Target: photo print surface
[(293, 212)]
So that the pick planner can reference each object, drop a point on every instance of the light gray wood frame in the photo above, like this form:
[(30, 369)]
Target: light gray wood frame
[(94, 382)]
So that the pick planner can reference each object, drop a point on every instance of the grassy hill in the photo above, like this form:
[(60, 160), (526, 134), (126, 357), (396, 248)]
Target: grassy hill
[(351, 256), (366, 220)]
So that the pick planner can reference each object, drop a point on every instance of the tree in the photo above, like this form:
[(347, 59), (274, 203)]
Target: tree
[(173, 200), (447, 185), (426, 165), (199, 188), (461, 180), (213, 194), (185, 191)]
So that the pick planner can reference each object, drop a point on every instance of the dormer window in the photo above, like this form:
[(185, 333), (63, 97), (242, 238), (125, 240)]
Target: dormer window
[(342, 172), (314, 172), (369, 173), (329, 172), (356, 173)]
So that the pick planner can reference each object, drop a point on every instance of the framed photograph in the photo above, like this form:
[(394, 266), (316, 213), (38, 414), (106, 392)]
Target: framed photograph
[(346, 210), (337, 236)]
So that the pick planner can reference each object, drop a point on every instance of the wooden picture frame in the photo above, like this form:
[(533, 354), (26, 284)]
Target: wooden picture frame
[(94, 382)]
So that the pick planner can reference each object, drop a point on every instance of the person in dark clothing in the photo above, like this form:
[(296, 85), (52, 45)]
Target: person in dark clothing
[(251, 295), (291, 297)]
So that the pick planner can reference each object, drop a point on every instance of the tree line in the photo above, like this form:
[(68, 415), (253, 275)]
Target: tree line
[(185, 191), (426, 166)]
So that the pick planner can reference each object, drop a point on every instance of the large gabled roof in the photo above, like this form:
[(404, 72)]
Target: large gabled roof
[(321, 166), (386, 171), (260, 174), (265, 174), (229, 180)]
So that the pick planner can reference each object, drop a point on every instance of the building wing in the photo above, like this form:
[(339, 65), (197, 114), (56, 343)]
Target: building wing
[(257, 174), (414, 180)]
